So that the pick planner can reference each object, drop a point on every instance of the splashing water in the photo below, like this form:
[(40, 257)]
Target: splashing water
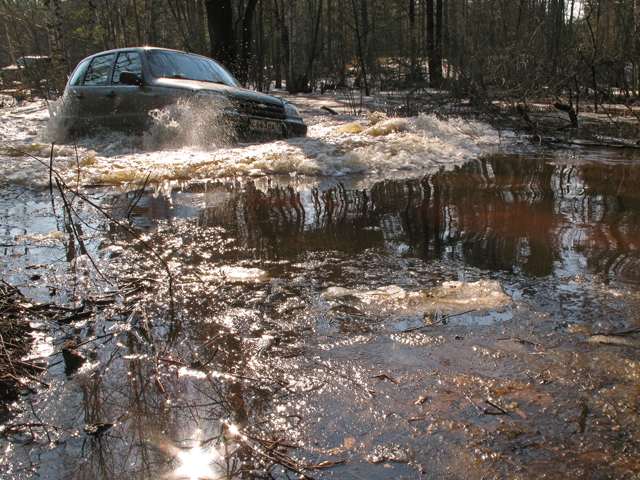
[(189, 141)]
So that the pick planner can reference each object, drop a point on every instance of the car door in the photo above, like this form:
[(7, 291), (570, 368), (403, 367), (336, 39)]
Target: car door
[(95, 95), (130, 102)]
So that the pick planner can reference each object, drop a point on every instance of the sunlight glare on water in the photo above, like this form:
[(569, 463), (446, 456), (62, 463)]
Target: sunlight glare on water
[(196, 464)]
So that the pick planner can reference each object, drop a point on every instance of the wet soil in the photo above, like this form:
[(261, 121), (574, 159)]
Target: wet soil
[(472, 322)]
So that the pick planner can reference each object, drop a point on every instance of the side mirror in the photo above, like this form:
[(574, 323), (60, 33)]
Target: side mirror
[(130, 78)]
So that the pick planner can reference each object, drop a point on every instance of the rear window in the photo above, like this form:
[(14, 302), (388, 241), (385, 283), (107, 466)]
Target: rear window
[(99, 70)]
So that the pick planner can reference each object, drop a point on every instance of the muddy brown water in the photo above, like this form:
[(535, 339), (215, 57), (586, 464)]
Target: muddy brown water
[(458, 325)]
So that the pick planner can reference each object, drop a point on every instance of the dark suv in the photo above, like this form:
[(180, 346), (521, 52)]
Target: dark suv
[(119, 88)]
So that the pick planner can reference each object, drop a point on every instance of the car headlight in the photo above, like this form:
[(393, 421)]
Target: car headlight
[(290, 110)]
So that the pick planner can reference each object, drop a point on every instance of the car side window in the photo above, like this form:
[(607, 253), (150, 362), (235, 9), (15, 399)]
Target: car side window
[(127, 62), (99, 70), (78, 74)]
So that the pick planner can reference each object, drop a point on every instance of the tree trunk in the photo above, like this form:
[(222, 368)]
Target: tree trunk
[(445, 50), (260, 51), (366, 47), (276, 54), (247, 34), (361, 41), (431, 43), (314, 43), (436, 78), (151, 32), (10, 50), (221, 34), (175, 10), (122, 17), (59, 64), (284, 41), (636, 60), (330, 40), (136, 18), (413, 54), (199, 37)]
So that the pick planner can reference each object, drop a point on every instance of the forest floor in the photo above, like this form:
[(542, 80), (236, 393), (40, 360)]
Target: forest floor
[(608, 124)]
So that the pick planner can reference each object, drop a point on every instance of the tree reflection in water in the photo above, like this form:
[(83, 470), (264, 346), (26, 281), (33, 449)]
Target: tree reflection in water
[(508, 213)]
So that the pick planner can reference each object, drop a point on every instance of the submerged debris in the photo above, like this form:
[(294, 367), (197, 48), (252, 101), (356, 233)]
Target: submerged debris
[(389, 453), (97, 429), (73, 359), (451, 297), (7, 101), (15, 341), (618, 340)]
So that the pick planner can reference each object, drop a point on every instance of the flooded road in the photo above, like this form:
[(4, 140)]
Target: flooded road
[(471, 316)]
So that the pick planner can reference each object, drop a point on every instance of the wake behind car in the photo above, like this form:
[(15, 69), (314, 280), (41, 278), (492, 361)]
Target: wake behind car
[(120, 89)]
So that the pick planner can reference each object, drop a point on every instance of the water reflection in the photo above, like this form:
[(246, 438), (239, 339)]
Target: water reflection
[(263, 376), (517, 214)]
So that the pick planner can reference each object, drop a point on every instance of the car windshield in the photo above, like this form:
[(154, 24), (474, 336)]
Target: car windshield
[(190, 67)]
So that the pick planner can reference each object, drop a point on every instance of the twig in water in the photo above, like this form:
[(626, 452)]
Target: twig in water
[(137, 197), (76, 234), (53, 203), (75, 147), (441, 321), (472, 402), (120, 224), (501, 411)]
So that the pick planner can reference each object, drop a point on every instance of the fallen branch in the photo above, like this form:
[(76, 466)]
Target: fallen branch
[(15, 342), (588, 143), (500, 410)]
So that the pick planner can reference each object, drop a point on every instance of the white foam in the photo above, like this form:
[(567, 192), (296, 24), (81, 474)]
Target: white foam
[(236, 274), (393, 148), (449, 297), (44, 239)]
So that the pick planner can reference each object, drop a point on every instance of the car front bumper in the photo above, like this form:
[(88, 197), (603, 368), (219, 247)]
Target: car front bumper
[(249, 127)]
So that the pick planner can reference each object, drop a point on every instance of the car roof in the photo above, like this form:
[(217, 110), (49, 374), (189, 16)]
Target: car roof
[(140, 49)]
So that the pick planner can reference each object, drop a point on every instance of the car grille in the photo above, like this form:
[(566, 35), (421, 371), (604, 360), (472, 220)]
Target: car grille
[(259, 109)]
